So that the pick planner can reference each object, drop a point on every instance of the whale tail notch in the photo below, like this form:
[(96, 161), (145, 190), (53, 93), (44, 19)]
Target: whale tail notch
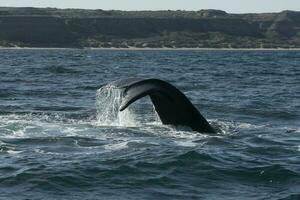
[(171, 105)]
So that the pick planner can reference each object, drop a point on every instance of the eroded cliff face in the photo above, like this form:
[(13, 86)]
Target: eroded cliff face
[(35, 31), (35, 27)]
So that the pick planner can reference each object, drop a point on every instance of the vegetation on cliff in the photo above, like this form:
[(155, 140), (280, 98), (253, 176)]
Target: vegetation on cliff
[(50, 27)]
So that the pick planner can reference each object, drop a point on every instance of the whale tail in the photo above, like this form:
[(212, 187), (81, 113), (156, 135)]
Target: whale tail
[(171, 105)]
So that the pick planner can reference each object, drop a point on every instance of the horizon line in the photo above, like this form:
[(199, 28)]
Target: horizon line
[(153, 10)]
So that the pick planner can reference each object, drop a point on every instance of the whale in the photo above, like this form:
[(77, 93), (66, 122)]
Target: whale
[(171, 105)]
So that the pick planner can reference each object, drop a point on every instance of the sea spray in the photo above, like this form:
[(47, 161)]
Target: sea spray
[(108, 102)]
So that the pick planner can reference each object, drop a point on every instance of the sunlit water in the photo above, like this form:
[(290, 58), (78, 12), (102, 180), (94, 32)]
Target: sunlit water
[(62, 136)]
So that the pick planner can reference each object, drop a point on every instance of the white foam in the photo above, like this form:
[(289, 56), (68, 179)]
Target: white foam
[(69, 131), (40, 151), (297, 130), (230, 127), (115, 147), (187, 143), (14, 152), (42, 125), (248, 126)]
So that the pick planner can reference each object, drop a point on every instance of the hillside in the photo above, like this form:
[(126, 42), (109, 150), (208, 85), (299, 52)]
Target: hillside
[(50, 27)]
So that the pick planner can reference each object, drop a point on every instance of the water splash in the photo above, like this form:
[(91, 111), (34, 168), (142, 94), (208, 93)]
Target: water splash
[(108, 102)]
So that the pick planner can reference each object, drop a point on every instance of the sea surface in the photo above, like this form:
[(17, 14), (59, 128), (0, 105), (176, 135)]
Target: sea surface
[(63, 138)]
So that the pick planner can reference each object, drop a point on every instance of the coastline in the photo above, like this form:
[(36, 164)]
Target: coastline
[(203, 30), (153, 49)]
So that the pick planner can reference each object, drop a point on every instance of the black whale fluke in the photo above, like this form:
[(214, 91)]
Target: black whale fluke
[(172, 106)]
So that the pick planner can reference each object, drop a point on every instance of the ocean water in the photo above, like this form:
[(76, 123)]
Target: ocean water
[(63, 138)]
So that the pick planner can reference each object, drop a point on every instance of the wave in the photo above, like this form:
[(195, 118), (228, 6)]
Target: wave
[(20, 124), (61, 69)]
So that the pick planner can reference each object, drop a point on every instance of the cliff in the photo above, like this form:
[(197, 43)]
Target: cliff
[(50, 27)]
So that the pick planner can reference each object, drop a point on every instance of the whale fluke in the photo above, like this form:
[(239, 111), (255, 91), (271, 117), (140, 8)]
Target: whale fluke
[(172, 106)]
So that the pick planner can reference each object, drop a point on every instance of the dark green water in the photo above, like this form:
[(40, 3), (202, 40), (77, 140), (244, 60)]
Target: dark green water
[(54, 145)]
